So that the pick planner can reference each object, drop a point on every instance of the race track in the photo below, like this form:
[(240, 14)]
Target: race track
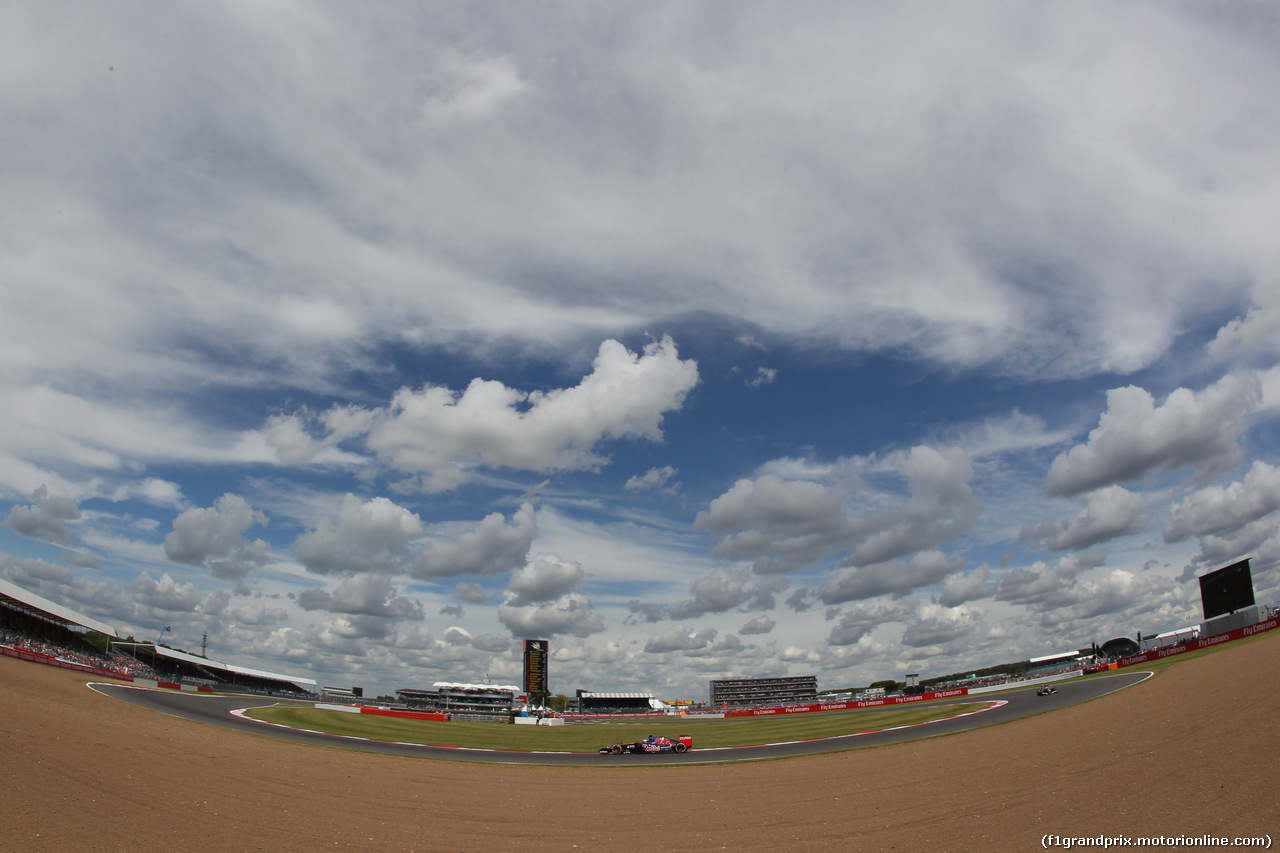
[(219, 711)]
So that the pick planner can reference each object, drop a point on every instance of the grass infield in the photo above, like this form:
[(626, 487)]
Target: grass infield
[(588, 737), (707, 733)]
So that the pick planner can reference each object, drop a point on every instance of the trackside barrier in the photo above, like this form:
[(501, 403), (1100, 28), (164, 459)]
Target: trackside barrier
[(36, 657), (1027, 682), (1203, 643)]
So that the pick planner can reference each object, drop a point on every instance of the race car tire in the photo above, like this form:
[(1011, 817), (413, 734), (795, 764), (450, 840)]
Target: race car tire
[(616, 749), (680, 747)]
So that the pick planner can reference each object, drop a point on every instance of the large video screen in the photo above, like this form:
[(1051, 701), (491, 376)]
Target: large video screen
[(535, 666), (1226, 590)]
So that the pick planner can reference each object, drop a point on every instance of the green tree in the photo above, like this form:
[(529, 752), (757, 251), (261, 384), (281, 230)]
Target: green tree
[(98, 640)]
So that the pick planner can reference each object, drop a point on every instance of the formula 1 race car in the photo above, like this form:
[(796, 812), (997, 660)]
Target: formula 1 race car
[(1046, 691), (653, 743)]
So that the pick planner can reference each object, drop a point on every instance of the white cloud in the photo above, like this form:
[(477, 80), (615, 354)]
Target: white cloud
[(654, 478), (493, 547), (456, 636), (724, 589), (470, 89), (439, 433), (290, 436), (545, 578), (680, 639), (1041, 582), (165, 594), (1111, 512), (764, 376), (856, 622), (162, 493), (895, 577), (213, 537), (936, 625), (495, 643), (363, 594), (544, 598), (572, 614), (959, 588), (777, 523), (1135, 437), (1258, 331), (784, 525), (366, 535), (45, 519), (471, 592), (758, 625), (1075, 599), (1224, 509), (718, 591)]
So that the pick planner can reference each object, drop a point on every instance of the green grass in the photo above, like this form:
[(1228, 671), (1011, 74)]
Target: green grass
[(707, 733), (582, 737)]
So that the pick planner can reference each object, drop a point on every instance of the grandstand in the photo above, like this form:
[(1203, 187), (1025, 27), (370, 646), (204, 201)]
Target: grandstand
[(21, 604), (1056, 662), (747, 692), (33, 624), (481, 701), (617, 703), (195, 670)]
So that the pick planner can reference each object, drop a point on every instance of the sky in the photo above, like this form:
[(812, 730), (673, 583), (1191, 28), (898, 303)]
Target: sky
[(701, 339)]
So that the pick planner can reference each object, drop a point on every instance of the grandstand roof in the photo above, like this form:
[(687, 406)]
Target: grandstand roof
[(29, 601), (586, 694), (174, 654), (16, 596), (459, 685), (1074, 653)]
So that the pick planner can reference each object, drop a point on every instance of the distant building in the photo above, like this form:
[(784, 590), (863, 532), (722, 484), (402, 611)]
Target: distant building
[(747, 692), (484, 700)]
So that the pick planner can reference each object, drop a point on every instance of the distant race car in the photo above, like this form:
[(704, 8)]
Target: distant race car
[(653, 743), (1046, 691)]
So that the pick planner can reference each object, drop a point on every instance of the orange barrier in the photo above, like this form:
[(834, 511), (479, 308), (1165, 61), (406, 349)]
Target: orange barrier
[(408, 715)]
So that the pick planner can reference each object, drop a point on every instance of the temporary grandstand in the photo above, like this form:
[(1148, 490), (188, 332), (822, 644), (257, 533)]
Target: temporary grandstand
[(46, 628), (465, 700), (1045, 664), (757, 692), (618, 703)]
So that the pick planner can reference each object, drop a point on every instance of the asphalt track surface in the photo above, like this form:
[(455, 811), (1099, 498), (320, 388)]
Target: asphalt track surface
[(220, 711)]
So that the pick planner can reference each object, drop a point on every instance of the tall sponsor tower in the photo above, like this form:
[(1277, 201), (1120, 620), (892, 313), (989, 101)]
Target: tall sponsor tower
[(535, 670)]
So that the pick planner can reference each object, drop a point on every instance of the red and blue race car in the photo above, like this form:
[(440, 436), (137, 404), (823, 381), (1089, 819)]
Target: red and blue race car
[(653, 743)]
